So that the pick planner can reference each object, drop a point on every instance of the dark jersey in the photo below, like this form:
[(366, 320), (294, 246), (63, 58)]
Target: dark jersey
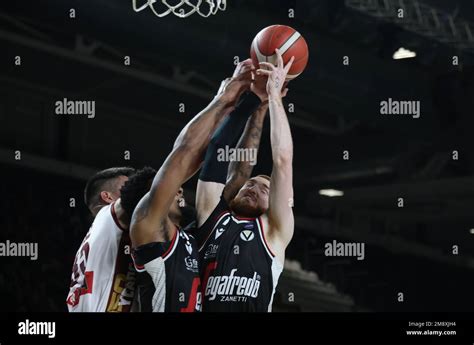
[(238, 270), (168, 275)]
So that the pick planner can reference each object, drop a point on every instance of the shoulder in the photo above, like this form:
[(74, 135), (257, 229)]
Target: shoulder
[(278, 237), (105, 221)]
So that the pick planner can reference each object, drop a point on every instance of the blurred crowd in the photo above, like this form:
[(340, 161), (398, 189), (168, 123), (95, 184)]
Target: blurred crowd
[(40, 212)]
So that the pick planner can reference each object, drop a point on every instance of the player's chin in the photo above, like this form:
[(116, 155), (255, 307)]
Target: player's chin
[(245, 207)]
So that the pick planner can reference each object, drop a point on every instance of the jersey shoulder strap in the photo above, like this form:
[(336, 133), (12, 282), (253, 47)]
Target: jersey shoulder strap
[(201, 234)]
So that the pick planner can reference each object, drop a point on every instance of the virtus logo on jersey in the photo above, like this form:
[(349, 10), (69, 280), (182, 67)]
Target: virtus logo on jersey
[(232, 288), (247, 235)]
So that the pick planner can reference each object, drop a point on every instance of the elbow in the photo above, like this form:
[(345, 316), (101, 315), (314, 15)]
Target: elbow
[(187, 140), (283, 158), (194, 144)]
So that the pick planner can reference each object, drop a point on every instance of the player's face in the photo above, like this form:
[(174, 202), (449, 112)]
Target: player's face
[(252, 199)]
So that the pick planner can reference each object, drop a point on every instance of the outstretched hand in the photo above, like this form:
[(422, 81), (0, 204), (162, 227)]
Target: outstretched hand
[(276, 75), (259, 87), (232, 88)]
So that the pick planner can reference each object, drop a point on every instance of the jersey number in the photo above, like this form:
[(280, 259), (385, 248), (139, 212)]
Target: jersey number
[(81, 282)]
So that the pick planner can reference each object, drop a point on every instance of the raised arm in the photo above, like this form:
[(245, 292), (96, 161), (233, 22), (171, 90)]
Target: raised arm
[(213, 176), (150, 220), (240, 171), (280, 212), (216, 174)]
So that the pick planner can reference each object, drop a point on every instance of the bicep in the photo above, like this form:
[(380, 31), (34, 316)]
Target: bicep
[(176, 170), (154, 206), (208, 195)]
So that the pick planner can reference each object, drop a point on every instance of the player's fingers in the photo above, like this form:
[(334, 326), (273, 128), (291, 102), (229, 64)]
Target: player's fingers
[(284, 93), (238, 69), (252, 87), (223, 86), (245, 76), (264, 72), (247, 62), (261, 79), (279, 58), (244, 83), (269, 65), (246, 68), (289, 64)]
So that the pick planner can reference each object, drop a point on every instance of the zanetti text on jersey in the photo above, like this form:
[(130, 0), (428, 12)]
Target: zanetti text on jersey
[(8, 248)]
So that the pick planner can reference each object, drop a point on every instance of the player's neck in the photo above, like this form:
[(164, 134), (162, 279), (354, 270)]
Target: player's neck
[(121, 216), (243, 216)]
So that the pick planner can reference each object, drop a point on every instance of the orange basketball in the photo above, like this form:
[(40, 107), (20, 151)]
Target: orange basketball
[(288, 40)]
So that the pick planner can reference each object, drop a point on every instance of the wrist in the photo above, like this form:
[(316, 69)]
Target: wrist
[(275, 98), (221, 100)]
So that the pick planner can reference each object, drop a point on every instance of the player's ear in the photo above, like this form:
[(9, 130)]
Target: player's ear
[(106, 197)]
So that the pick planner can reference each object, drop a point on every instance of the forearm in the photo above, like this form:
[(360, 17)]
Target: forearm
[(280, 133), (241, 170), (227, 135), (196, 135), (280, 213), (250, 140)]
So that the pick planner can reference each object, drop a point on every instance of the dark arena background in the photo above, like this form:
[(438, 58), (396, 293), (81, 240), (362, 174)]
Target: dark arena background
[(402, 185)]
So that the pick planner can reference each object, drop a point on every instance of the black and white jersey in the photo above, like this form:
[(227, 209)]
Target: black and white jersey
[(238, 270), (168, 275)]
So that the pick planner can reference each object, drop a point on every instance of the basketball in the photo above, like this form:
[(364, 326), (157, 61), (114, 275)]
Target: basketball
[(288, 40)]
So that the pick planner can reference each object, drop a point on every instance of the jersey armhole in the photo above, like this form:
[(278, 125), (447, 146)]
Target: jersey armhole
[(262, 237), (205, 231), (219, 218), (115, 218), (172, 246), (149, 251)]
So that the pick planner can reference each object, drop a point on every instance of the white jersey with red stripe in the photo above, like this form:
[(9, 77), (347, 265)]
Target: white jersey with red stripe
[(103, 276)]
